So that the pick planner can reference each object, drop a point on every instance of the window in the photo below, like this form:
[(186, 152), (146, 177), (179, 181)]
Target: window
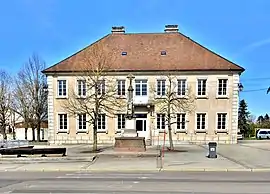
[(81, 86), (121, 87), (161, 121), (222, 87), (141, 87), (163, 52), (221, 121), (201, 87), (201, 121), (62, 119), (81, 122), (181, 87), (101, 87), (62, 88), (161, 88), (101, 123), (121, 121), (181, 121)]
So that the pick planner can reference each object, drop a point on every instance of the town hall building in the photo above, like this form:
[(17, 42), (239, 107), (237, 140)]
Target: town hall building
[(197, 73)]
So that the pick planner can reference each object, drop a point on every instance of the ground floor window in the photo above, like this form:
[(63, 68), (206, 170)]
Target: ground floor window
[(221, 121), (101, 123), (181, 121), (62, 122), (161, 121), (201, 121), (121, 121), (81, 122)]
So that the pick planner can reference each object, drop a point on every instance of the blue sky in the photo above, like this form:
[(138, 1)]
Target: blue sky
[(238, 30)]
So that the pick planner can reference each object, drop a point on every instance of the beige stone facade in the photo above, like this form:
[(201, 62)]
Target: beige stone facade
[(211, 79), (210, 105)]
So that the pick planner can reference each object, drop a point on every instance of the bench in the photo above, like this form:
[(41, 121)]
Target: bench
[(33, 151)]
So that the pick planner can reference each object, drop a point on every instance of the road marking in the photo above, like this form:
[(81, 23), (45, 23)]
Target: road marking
[(143, 177)]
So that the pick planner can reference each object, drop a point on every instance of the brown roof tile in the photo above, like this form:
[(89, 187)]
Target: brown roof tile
[(144, 54)]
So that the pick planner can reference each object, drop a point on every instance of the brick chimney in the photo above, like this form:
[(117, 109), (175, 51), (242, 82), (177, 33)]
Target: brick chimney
[(171, 28), (118, 29)]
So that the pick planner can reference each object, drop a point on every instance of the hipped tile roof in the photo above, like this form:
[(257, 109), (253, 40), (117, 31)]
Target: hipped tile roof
[(144, 54)]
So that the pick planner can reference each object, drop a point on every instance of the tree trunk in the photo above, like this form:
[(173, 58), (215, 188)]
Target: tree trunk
[(13, 133), (4, 135), (25, 133), (169, 117), (38, 132), (170, 138), (95, 137), (33, 134)]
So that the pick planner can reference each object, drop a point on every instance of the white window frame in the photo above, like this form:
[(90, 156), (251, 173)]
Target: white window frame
[(78, 123), (81, 88), (206, 87), (57, 84), (162, 86), (141, 83), (116, 122), (206, 123), (58, 123), (186, 123), (121, 87), (227, 88), (102, 87), (106, 125), (226, 124), (156, 120), (180, 80)]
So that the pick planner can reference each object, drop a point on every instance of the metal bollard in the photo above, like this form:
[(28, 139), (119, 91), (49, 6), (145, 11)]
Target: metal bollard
[(159, 157)]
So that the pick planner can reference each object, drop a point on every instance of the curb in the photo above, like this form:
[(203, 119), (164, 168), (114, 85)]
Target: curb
[(48, 159), (138, 170), (207, 170)]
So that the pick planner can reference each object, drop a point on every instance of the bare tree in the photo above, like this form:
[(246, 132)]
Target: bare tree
[(5, 102), (23, 101), (32, 99), (171, 102), (98, 94)]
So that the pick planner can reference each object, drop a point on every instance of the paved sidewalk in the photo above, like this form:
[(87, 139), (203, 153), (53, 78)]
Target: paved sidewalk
[(193, 157), (240, 157)]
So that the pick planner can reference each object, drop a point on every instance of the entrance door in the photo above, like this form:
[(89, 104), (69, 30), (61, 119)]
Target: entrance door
[(141, 125)]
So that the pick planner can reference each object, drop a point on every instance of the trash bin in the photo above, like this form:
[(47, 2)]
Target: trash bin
[(212, 150)]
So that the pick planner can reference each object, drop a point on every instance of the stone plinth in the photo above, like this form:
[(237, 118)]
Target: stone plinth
[(129, 133), (130, 144)]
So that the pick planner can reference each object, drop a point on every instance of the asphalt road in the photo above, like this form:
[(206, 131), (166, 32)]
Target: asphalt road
[(125, 183)]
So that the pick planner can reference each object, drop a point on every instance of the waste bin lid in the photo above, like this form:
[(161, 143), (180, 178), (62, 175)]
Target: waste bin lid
[(212, 143)]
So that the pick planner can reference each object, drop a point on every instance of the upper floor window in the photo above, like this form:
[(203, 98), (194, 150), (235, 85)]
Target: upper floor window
[(62, 122), (161, 121), (222, 87), (81, 87), (201, 121), (201, 89), (181, 87), (81, 121), (62, 88), (181, 121), (121, 121), (141, 87), (121, 87), (221, 121), (101, 122), (161, 88), (101, 87)]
